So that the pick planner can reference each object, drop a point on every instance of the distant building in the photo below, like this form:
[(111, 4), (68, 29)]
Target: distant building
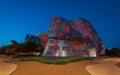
[(72, 38), (32, 38)]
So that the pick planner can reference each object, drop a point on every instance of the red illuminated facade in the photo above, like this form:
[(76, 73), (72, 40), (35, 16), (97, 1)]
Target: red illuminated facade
[(72, 38)]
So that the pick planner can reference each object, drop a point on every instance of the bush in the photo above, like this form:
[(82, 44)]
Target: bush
[(115, 52), (53, 60)]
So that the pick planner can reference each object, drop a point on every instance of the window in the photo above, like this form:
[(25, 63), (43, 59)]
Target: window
[(68, 30), (90, 35), (89, 30), (85, 52), (44, 44), (64, 26), (67, 42), (72, 26), (45, 38), (54, 26), (57, 47), (57, 20), (75, 51), (83, 30), (51, 47), (77, 26), (49, 53), (52, 32), (52, 41), (65, 48), (76, 44), (84, 37), (82, 24), (66, 36), (87, 24), (58, 41), (61, 34)]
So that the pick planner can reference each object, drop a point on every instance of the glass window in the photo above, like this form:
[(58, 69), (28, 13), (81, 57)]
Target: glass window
[(68, 30), (52, 41), (57, 47), (65, 48), (75, 51), (85, 52), (89, 30), (61, 34), (64, 26), (54, 26), (77, 26), (76, 44), (57, 20), (66, 36), (83, 30), (90, 35), (72, 26), (51, 47), (84, 36), (49, 53), (67, 42), (52, 32), (87, 24), (82, 24)]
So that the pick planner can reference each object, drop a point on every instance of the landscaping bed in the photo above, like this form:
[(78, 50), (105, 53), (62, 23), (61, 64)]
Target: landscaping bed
[(54, 60)]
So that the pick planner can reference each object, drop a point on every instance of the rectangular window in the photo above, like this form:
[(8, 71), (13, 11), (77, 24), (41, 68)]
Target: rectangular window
[(51, 47), (52, 41), (57, 47), (76, 44), (58, 41), (65, 48), (75, 51), (67, 42)]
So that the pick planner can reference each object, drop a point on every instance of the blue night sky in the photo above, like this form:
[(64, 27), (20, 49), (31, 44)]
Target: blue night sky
[(18, 17)]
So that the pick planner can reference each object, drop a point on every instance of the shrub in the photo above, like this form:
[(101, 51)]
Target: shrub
[(53, 60)]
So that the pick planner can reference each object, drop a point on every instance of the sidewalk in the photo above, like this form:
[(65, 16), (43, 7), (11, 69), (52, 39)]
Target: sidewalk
[(105, 67), (6, 68)]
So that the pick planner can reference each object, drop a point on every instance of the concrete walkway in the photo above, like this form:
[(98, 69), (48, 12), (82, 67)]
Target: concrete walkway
[(6, 68), (105, 67)]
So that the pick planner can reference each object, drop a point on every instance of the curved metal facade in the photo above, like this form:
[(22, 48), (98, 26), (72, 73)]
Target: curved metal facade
[(72, 38)]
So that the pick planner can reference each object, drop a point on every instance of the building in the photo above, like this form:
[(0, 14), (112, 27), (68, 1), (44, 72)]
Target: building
[(72, 38), (32, 38)]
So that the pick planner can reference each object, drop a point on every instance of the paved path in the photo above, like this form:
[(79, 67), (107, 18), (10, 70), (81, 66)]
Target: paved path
[(6, 68), (105, 67)]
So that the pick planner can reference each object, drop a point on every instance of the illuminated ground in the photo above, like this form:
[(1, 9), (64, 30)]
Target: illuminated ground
[(105, 67), (36, 68)]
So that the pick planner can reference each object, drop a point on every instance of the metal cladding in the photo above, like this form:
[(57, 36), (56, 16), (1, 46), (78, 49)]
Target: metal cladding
[(72, 38)]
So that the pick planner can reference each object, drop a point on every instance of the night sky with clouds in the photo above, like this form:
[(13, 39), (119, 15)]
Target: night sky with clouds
[(18, 17)]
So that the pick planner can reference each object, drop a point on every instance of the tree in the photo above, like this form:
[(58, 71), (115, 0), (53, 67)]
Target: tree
[(113, 52), (14, 42), (30, 47), (9, 50)]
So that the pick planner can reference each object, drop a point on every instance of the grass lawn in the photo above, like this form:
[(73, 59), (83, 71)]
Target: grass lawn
[(54, 60)]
